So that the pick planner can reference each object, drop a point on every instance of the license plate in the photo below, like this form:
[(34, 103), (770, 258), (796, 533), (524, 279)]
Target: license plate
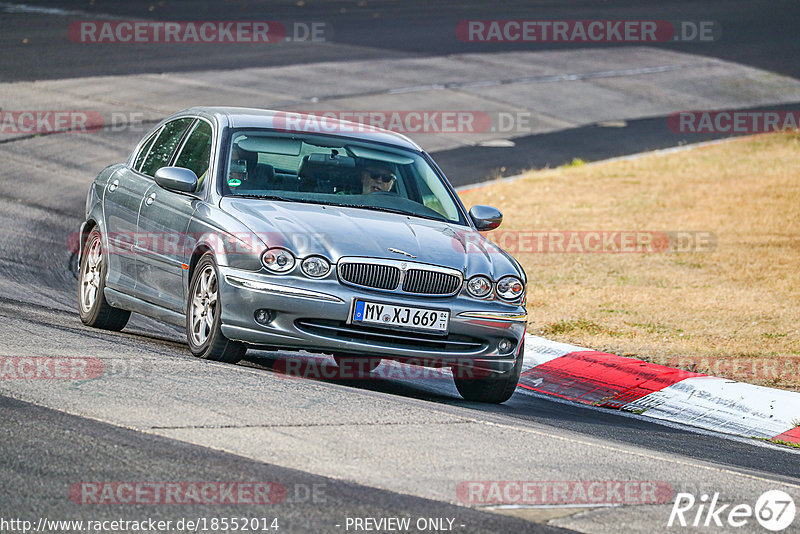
[(408, 317)]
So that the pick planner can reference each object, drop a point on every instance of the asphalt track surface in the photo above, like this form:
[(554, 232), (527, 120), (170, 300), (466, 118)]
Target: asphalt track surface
[(311, 504), (760, 34), (380, 447)]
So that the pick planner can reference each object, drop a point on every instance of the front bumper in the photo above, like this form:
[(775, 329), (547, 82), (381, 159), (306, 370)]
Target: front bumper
[(313, 315)]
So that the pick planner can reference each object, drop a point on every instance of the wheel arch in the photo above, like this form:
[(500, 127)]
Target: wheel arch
[(199, 251), (83, 234)]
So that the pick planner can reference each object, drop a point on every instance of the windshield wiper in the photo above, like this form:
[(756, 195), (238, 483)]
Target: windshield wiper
[(340, 205), (394, 210), (266, 197)]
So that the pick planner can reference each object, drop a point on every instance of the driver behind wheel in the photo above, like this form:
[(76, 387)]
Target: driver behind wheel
[(377, 178)]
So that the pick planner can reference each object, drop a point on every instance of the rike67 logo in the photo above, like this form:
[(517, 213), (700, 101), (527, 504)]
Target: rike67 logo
[(774, 510)]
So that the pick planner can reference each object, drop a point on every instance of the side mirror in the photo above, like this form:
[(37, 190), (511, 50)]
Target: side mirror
[(177, 179), (485, 218)]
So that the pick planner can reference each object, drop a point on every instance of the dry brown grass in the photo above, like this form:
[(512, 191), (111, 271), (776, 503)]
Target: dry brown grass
[(731, 312)]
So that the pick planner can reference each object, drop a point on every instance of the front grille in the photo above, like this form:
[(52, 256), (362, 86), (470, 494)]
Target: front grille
[(400, 276), (341, 331), (370, 275), (430, 282)]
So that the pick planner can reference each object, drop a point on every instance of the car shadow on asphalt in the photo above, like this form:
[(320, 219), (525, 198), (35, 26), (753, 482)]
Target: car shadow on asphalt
[(389, 377)]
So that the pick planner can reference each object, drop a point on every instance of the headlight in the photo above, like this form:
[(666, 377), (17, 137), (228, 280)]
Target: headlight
[(278, 260), (510, 288), (315, 266), (479, 286)]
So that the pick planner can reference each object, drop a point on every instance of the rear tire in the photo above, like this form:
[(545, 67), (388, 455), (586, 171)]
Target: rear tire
[(204, 316), (93, 307), (494, 388)]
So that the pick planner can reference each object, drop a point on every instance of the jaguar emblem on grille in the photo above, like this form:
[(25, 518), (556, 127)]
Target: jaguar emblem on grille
[(403, 252)]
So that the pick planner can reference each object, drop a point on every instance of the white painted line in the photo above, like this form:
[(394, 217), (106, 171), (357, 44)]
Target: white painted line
[(661, 422), (724, 406), (607, 73), (415, 89), (11, 7), (552, 78)]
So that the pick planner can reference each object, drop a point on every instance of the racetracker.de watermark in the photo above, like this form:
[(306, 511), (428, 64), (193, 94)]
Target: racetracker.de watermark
[(419, 121), (194, 492), (415, 121), (360, 368), (743, 369), (590, 241), (50, 368), (196, 32), (734, 121), (587, 31), (400, 121), (178, 243), (49, 121), (564, 492), (513, 241)]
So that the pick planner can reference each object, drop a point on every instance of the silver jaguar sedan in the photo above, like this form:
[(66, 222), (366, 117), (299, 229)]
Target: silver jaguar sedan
[(276, 230)]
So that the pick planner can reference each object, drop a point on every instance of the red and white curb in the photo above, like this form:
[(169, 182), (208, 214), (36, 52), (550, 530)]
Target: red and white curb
[(607, 380)]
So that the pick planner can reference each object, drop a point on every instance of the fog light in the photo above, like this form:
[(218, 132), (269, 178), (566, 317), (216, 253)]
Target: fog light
[(505, 345), (263, 317)]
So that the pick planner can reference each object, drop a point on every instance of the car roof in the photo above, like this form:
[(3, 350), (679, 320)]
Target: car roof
[(265, 118)]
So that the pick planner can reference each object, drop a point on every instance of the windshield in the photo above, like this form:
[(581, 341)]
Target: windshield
[(335, 171)]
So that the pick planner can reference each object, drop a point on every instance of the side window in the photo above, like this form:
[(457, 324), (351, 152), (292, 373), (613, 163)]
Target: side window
[(145, 149), (196, 152), (433, 192), (164, 146)]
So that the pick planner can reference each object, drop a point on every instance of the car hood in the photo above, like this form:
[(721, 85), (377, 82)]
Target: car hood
[(336, 232)]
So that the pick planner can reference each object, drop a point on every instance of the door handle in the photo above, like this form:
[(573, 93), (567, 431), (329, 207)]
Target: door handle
[(113, 186), (150, 199)]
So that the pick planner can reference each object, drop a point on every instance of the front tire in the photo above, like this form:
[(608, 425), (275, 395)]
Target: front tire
[(494, 388), (93, 307), (204, 316)]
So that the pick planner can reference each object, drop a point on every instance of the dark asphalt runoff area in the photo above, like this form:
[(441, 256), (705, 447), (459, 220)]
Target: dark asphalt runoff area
[(45, 453), (761, 34)]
